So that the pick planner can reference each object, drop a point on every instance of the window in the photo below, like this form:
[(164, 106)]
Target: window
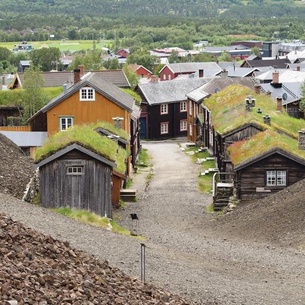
[(182, 106), (65, 123), (191, 129), (163, 108), (183, 125), (276, 178), (75, 170), (190, 108), (164, 128), (87, 94)]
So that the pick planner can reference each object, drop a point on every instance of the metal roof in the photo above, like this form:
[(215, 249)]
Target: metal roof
[(26, 138)]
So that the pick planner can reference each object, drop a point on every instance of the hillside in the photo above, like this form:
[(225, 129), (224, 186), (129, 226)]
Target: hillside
[(145, 8)]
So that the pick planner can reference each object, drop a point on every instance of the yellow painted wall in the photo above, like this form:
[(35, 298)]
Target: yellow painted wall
[(86, 112)]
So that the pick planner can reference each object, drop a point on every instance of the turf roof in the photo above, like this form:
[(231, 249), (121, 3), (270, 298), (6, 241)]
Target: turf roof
[(86, 136), (260, 144), (229, 112)]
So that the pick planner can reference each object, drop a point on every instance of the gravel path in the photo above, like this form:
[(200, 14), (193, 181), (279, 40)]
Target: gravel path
[(184, 253)]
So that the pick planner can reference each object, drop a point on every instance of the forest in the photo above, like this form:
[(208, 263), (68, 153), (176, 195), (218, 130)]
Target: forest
[(151, 23)]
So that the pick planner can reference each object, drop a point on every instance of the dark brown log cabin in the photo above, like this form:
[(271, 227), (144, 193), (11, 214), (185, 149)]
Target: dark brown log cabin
[(267, 174)]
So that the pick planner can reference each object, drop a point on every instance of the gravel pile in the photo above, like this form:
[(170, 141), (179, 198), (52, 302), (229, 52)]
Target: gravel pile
[(16, 169), (38, 269)]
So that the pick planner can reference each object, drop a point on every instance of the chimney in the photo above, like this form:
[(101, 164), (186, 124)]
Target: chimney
[(267, 119), (224, 73), (279, 104), (201, 73), (82, 70), (250, 103), (257, 88), (65, 88), (275, 77), (301, 141), (76, 76), (154, 79)]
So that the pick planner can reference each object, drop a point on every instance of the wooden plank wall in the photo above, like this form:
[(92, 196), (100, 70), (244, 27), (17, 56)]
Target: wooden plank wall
[(91, 191)]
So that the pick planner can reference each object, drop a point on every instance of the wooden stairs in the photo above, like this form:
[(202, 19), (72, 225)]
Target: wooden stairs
[(223, 190)]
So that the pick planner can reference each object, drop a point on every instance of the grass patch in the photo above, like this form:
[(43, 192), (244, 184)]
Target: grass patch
[(204, 181), (93, 219), (210, 208), (143, 158)]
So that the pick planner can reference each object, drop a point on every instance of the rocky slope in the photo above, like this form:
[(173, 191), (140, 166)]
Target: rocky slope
[(38, 269), (16, 169)]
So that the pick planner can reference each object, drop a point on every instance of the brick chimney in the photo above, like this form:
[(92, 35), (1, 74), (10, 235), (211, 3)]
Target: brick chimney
[(76, 76), (302, 139), (275, 77), (257, 88), (279, 104), (82, 70), (201, 73)]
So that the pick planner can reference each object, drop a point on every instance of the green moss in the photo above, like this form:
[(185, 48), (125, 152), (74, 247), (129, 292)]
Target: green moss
[(260, 144), (86, 136), (229, 112)]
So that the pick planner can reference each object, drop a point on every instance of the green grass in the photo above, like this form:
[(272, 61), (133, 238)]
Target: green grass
[(143, 158), (86, 136), (87, 217), (204, 182), (64, 46)]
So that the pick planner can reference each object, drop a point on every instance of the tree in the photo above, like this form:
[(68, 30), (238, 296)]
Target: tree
[(33, 96), (302, 101), (256, 51), (132, 76), (5, 54), (143, 58), (91, 60), (46, 58)]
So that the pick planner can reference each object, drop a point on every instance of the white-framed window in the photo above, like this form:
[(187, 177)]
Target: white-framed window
[(190, 108), (75, 170), (182, 106), (65, 122), (191, 129), (164, 128), (87, 94), (164, 109), (183, 125), (276, 178)]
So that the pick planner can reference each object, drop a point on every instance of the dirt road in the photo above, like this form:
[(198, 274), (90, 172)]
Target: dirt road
[(194, 258)]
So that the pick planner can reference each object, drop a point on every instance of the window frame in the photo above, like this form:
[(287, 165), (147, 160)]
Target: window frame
[(190, 108), (66, 118), (276, 178), (183, 125), (165, 131), (87, 94), (164, 111), (75, 170), (183, 106)]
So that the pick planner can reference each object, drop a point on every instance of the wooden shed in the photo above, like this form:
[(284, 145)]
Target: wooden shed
[(268, 173), (77, 177)]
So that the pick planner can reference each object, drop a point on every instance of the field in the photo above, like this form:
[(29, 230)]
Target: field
[(63, 45)]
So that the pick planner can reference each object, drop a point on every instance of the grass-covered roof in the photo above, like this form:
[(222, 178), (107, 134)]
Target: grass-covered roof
[(86, 136), (229, 111), (262, 143)]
